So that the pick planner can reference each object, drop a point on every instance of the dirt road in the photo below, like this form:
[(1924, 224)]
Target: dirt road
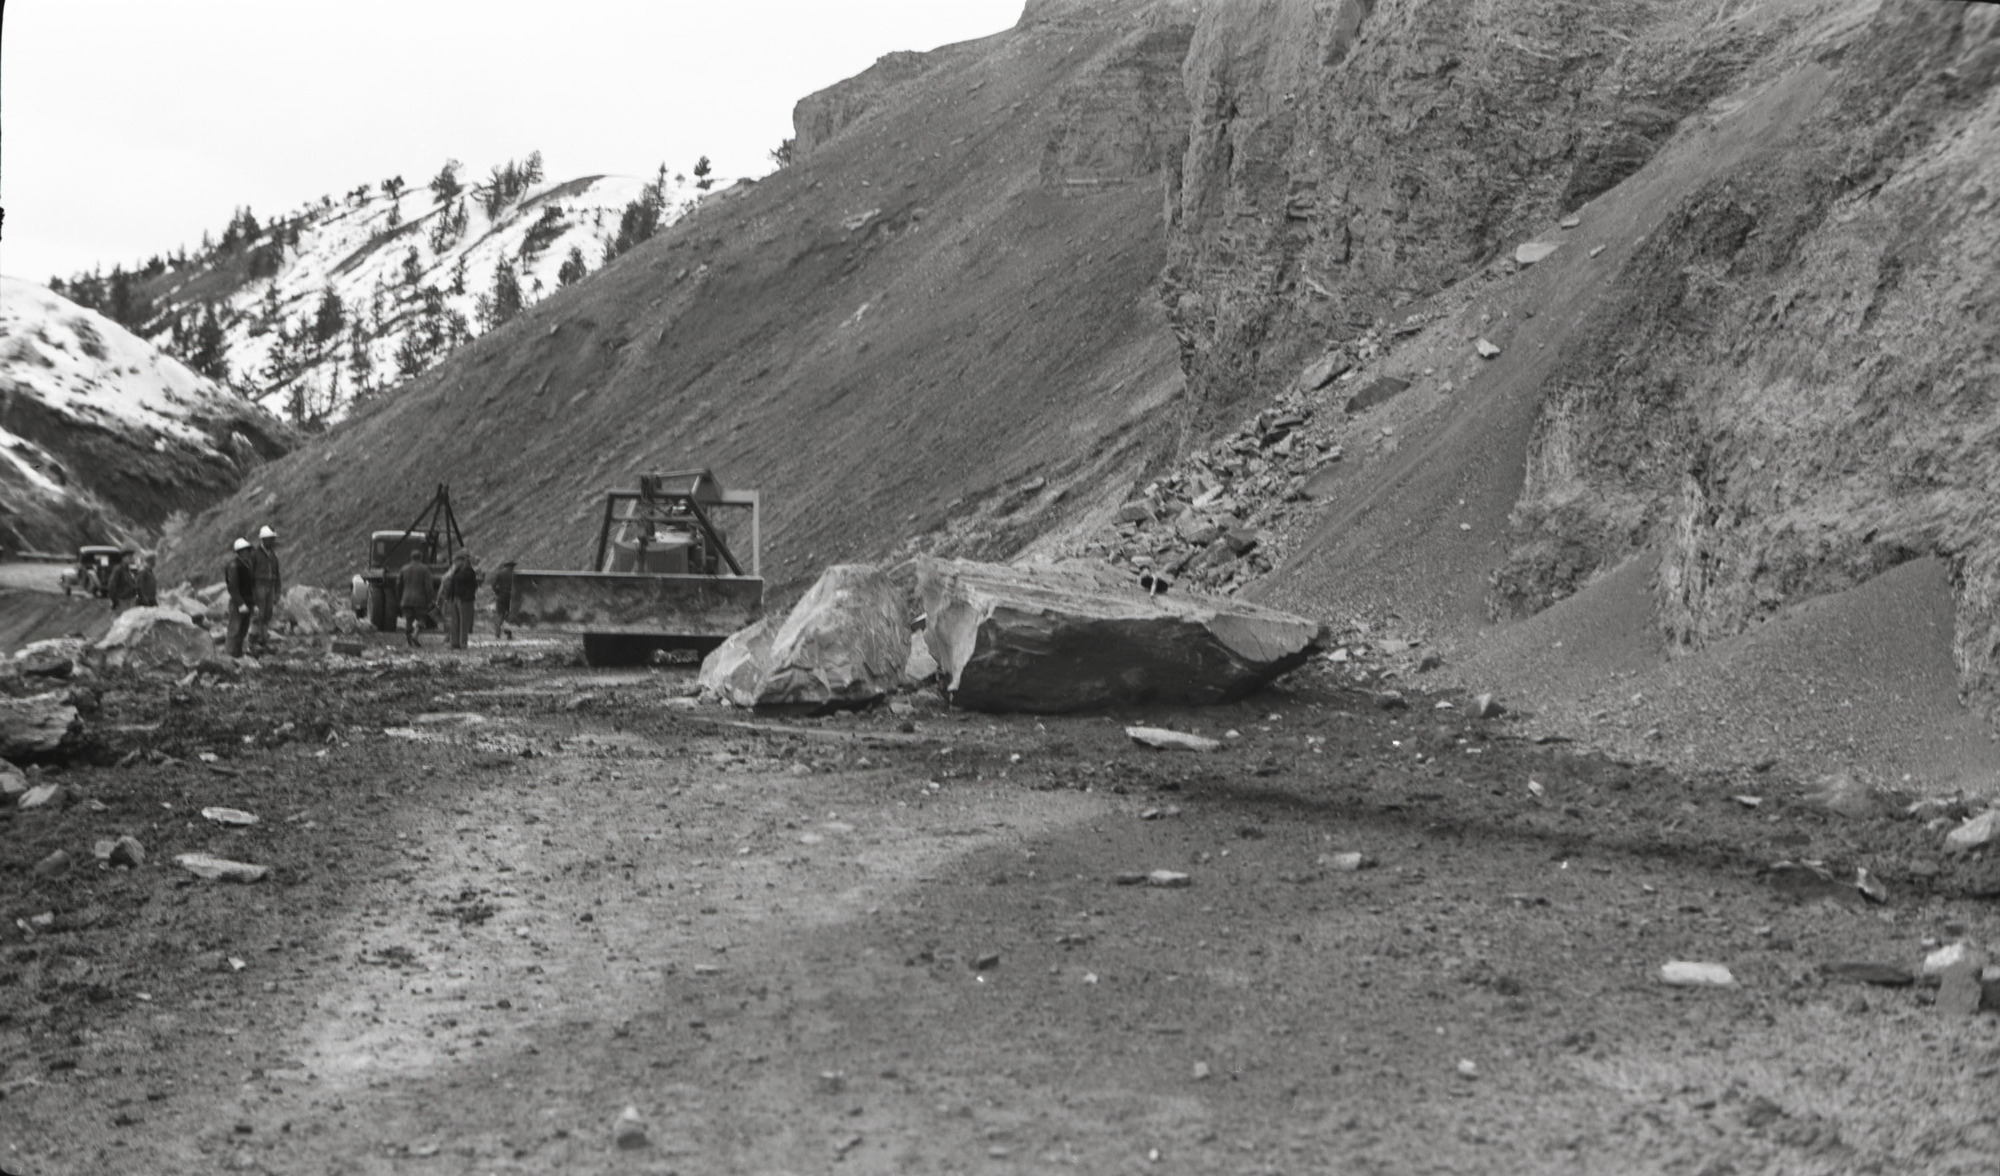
[(507, 901)]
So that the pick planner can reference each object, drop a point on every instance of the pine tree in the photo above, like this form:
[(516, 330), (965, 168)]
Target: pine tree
[(209, 347), (445, 185), (573, 268), (329, 318), (781, 155), (701, 170), (505, 299)]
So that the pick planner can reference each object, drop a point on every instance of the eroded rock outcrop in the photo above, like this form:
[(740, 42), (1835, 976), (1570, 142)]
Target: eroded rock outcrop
[(1064, 638)]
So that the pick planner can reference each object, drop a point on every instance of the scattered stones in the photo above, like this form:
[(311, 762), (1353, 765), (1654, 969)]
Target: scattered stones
[(1167, 740), (1979, 831), (1530, 252), (1865, 972), (217, 869), (1135, 512), (229, 816), (44, 796), (629, 1131), (42, 727), (50, 866), (1690, 974)]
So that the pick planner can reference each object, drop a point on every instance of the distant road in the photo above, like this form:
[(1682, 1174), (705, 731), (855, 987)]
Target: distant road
[(36, 577), (32, 607)]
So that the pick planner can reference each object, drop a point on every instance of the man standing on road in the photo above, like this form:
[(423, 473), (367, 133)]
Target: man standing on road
[(264, 562), (503, 598), (416, 597), (146, 585), (120, 586), (241, 580), (461, 587)]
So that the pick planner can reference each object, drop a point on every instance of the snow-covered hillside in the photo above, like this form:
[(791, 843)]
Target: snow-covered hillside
[(350, 296), (101, 435)]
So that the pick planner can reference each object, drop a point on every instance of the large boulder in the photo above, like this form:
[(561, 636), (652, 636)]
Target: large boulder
[(42, 727), (733, 670), (305, 609), (1063, 638), (155, 639), (843, 644)]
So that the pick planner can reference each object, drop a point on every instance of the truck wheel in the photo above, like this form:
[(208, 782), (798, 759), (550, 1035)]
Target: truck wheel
[(378, 609), (615, 649)]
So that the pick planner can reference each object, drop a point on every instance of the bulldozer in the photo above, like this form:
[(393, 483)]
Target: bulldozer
[(676, 566)]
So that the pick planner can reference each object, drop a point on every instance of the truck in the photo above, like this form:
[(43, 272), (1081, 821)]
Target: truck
[(434, 538), (92, 573), (677, 565)]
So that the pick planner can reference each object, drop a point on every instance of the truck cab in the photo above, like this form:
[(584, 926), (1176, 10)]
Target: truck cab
[(92, 574), (388, 552)]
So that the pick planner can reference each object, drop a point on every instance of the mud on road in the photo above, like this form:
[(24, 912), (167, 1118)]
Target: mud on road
[(510, 897)]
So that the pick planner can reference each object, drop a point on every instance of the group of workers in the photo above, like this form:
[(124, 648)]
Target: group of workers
[(129, 582), (251, 575), (454, 593), (254, 584)]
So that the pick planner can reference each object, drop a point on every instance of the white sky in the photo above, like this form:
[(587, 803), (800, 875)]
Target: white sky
[(128, 127)]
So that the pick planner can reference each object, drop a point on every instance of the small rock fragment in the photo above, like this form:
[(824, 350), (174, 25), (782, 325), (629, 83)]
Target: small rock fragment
[(1467, 1068), (217, 869), (1748, 801), (1486, 348), (1865, 972), (1392, 700), (44, 796), (1428, 662), (987, 962), (12, 782), (1200, 1071), (229, 816), (128, 851), (1959, 990), (1595, 250), (1983, 829), (1170, 878), (1346, 863), (1571, 221), (1486, 706), (53, 864), (1950, 956), (1871, 887), (1688, 974), (1530, 252), (629, 1132), (1167, 740)]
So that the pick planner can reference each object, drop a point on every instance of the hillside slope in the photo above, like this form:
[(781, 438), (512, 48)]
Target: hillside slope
[(941, 321), (102, 437), (1407, 314)]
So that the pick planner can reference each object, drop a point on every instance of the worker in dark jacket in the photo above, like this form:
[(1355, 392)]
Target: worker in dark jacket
[(241, 580), (264, 564), (461, 588), (120, 587), (503, 599), (418, 586), (146, 585)]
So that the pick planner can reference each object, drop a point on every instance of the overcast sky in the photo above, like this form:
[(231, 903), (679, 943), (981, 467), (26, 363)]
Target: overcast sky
[(128, 127)]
